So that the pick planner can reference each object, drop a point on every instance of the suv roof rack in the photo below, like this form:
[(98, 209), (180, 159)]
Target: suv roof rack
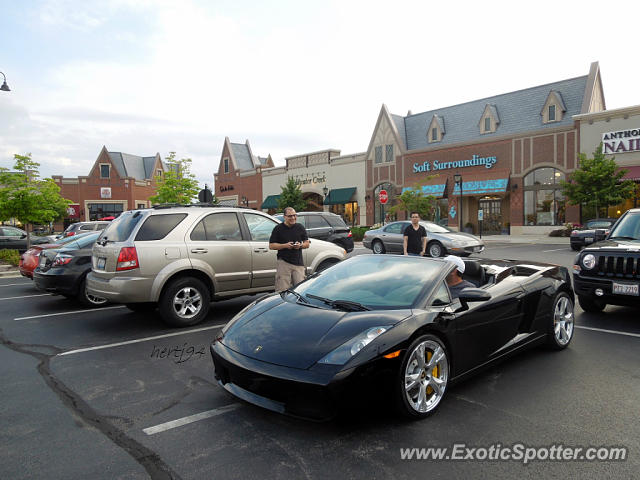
[(172, 205)]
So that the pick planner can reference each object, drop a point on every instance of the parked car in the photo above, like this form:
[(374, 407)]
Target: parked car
[(78, 227), (608, 271), (181, 258), (325, 226), (29, 260), (581, 237), (63, 271), (16, 239), (373, 325), (440, 240)]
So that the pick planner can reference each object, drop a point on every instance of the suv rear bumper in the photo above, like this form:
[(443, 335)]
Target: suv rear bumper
[(120, 289)]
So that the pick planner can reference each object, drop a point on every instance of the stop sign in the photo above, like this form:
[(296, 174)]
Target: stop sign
[(383, 197)]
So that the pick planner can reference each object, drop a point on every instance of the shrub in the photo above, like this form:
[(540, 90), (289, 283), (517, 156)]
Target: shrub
[(10, 256), (358, 233)]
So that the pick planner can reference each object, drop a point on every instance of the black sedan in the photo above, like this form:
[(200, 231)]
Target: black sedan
[(64, 271), (583, 237), (374, 323)]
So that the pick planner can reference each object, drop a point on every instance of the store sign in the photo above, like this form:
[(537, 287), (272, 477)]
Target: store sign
[(105, 192), (436, 165), (73, 210), (310, 178), (226, 188), (623, 141)]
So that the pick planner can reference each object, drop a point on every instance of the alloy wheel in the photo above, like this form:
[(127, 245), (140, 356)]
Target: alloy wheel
[(563, 320), (425, 376), (378, 248), (187, 302), (435, 250)]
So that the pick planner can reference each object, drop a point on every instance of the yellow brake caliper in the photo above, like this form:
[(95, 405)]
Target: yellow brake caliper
[(434, 373)]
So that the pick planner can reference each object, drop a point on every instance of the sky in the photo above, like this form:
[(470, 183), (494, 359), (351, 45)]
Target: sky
[(147, 76)]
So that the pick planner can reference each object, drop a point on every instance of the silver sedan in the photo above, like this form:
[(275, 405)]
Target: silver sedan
[(440, 240)]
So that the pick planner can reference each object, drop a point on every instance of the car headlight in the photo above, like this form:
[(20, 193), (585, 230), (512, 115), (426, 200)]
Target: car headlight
[(589, 261), (458, 243), (344, 352)]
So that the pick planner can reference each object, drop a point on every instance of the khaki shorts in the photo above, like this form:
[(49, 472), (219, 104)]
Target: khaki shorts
[(288, 275)]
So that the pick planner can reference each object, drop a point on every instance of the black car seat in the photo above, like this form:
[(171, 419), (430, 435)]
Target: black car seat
[(474, 272)]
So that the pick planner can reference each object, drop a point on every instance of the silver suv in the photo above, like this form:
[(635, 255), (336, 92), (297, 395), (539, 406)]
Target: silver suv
[(181, 258)]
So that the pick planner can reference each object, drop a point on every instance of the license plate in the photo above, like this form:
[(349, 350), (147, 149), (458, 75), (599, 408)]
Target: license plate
[(101, 263), (588, 239), (625, 289)]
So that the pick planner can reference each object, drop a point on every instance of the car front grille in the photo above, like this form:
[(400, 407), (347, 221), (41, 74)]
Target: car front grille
[(617, 266)]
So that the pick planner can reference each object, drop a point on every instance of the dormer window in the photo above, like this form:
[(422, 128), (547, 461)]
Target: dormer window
[(489, 120), (105, 170), (226, 165), (554, 108), (436, 129)]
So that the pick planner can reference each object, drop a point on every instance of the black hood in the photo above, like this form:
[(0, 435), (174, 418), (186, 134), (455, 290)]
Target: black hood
[(615, 245), (295, 335)]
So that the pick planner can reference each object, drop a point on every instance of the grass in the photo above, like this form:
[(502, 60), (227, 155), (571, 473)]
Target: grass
[(11, 257)]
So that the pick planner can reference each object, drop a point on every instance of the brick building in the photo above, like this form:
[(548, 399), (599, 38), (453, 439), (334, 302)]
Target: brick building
[(116, 182), (508, 152), (239, 177)]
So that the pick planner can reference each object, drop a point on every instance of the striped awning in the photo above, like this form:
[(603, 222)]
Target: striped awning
[(482, 187), (437, 190)]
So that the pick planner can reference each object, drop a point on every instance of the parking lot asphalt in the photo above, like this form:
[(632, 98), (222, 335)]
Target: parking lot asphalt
[(109, 393)]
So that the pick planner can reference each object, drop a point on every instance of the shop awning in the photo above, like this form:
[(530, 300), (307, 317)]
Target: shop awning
[(482, 187), (270, 202), (340, 196), (633, 173), (436, 190)]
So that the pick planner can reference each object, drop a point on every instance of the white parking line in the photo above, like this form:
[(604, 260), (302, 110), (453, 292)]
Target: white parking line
[(190, 419), (555, 250), (27, 296), (609, 331), (69, 313), (13, 284), (139, 340)]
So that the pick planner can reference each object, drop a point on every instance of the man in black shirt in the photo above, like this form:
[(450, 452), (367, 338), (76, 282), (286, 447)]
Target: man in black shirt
[(288, 239), (415, 237)]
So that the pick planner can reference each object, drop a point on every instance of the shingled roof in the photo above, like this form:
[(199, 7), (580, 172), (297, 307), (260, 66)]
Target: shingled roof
[(127, 165)]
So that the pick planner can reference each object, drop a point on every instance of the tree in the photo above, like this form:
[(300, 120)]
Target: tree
[(27, 198), (178, 184), (597, 182), (415, 200), (291, 196)]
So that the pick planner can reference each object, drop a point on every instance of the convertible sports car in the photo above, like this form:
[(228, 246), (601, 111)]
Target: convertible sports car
[(376, 323)]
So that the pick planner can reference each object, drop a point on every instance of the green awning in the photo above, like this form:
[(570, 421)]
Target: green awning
[(340, 196), (270, 202)]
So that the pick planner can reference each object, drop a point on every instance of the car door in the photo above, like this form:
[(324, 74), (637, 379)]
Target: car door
[(216, 242), (14, 238), (263, 260), (393, 237), (486, 329), (317, 227)]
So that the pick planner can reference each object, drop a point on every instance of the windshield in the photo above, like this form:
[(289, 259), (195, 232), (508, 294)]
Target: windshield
[(120, 229), (375, 281), (628, 227), (434, 227)]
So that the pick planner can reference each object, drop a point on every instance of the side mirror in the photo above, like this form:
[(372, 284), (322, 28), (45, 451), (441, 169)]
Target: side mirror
[(599, 235), (472, 294)]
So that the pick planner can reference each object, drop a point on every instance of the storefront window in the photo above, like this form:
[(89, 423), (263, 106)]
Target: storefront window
[(544, 203), (100, 210)]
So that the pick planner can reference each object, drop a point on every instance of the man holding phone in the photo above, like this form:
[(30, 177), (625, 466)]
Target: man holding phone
[(288, 239)]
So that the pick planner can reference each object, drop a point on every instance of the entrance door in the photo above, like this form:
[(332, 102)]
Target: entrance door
[(492, 222)]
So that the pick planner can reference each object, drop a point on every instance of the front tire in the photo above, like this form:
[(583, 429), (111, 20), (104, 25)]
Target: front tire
[(184, 302), (87, 299), (590, 305), (562, 322), (377, 247), (435, 249), (422, 378)]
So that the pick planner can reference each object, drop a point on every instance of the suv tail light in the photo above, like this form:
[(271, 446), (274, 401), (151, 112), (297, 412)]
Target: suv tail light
[(574, 232), (61, 259), (69, 234), (128, 259)]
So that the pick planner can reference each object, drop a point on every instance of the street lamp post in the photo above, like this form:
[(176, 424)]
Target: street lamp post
[(457, 178), (245, 201), (4, 87)]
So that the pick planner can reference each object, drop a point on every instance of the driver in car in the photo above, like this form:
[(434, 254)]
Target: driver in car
[(454, 279)]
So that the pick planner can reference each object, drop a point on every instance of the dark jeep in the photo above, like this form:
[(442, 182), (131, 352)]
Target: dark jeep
[(608, 271)]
